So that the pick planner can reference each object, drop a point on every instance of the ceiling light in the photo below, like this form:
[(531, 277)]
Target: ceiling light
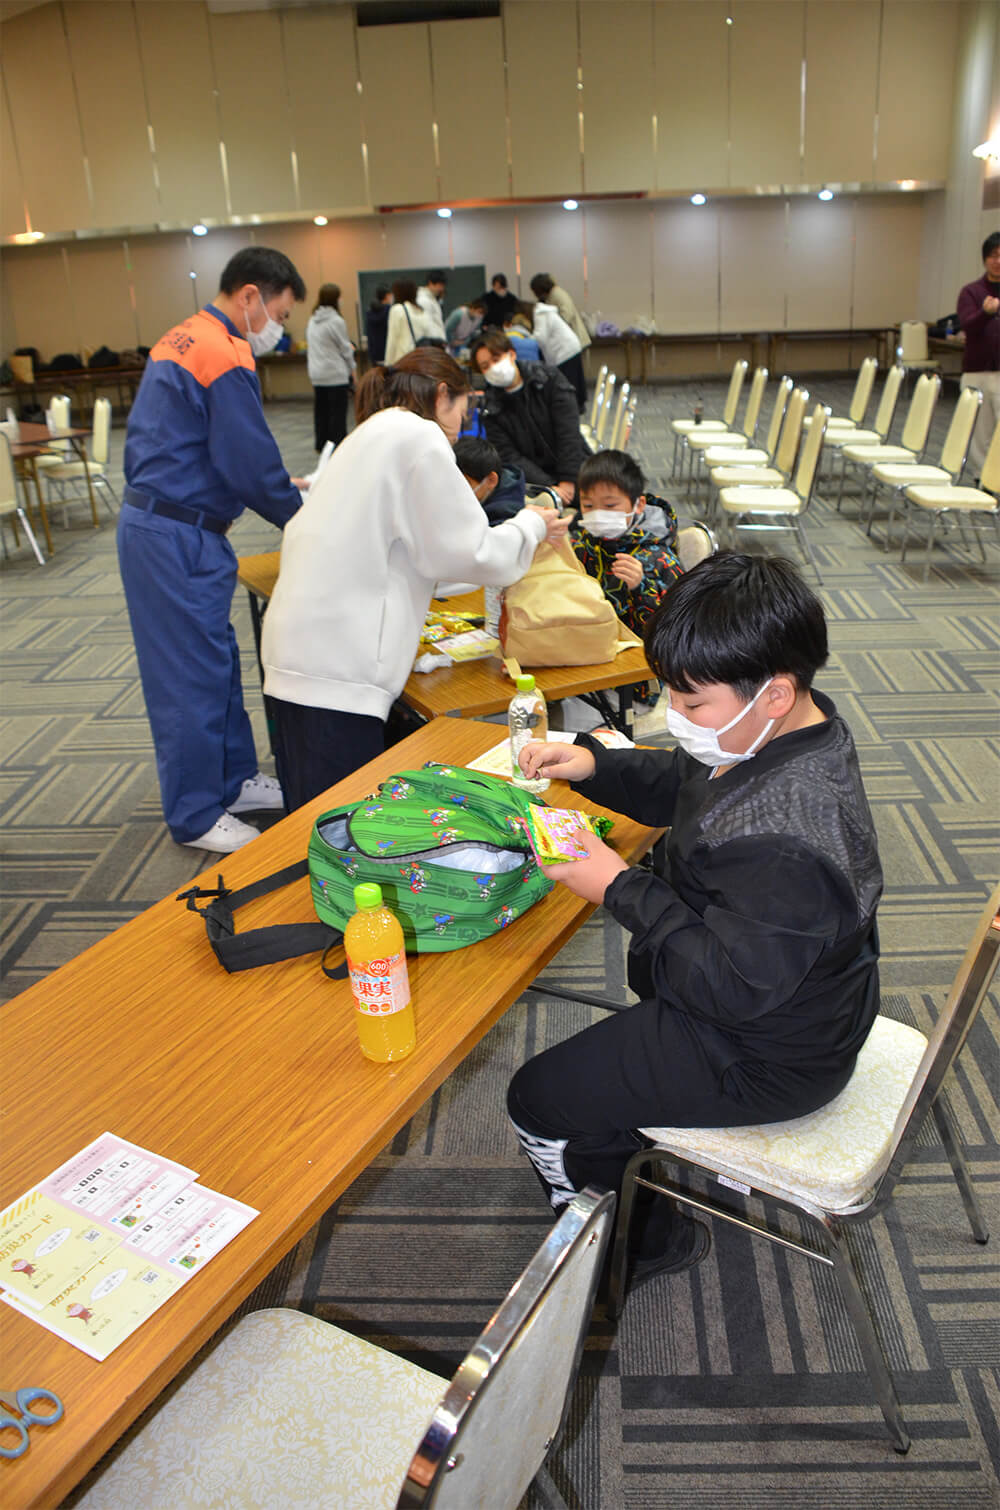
[(25, 238), (697, 199), (444, 212), (199, 229), (192, 275), (906, 184), (825, 194), (320, 220), (988, 149), (570, 204)]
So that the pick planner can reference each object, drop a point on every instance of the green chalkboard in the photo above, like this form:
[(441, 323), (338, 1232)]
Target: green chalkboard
[(464, 283)]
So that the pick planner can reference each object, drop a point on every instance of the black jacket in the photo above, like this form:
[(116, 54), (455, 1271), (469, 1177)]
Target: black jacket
[(538, 427), (377, 330)]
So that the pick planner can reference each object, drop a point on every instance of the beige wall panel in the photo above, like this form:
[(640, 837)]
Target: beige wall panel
[(818, 265), (98, 284), (12, 220), (40, 303), (8, 330), (346, 248), (325, 107), (109, 88), (43, 112), (691, 56), (417, 240), (919, 38), (552, 242), (617, 54), (753, 264), (177, 70), (486, 236), (398, 113), (470, 106), (886, 260), (164, 294), (620, 262), (841, 90), (766, 91), (544, 99), (206, 256), (686, 267), (253, 108)]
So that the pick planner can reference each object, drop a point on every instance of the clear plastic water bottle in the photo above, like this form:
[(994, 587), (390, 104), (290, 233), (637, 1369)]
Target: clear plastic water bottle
[(527, 719), (699, 410)]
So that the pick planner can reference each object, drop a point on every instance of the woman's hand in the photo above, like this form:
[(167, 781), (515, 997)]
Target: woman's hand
[(558, 761), (588, 878), (555, 527), (628, 569)]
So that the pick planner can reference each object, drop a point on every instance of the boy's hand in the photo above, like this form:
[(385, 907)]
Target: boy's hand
[(588, 878), (560, 762), (629, 569)]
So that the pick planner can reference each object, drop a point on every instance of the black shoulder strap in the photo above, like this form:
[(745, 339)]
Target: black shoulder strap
[(261, 946)]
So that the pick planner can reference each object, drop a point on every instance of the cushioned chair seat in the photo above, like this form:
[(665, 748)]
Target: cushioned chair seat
[(895, 476), (855, 437), (749, 456), (876, 455), (934, 496), (683, 426), (833, 1157), (727, 438), (758, 477), (760, 500)]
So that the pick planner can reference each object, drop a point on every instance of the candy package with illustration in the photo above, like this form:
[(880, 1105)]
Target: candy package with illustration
[(555, 833)]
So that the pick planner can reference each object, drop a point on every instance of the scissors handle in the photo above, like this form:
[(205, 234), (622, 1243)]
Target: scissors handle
[(22, 1400)]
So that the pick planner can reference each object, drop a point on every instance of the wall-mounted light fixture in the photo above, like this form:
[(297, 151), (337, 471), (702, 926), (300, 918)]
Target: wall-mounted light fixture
[(825, 194), (698, 199), (571, 204), (444, 212), (320, 220), (199, 229), (988, 150)]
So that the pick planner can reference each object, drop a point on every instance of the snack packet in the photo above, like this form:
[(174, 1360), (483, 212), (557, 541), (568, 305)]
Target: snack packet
[(554, 833)]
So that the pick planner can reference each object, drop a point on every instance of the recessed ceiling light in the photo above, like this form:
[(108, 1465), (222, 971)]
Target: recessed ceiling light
[(320, 220), (199, 229), (906, 184), (570, 204), (825, 194), (697, 199), (444, 212)]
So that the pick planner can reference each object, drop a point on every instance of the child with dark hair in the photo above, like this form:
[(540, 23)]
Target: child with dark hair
[(499, 489), (755, 956), (613, 540)]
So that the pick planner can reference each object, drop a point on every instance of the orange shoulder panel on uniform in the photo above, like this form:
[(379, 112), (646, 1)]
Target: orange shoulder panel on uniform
[(203, 347)]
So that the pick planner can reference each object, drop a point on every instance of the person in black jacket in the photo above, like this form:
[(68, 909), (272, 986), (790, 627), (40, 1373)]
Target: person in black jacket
[(377, 323), (531, 416), (755, 957), (499, 301)]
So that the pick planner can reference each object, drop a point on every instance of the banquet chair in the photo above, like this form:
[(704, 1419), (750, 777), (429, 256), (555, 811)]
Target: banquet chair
[(863, 458), (76, 473), (954, 505), (781, 508), (596, 441), (911, 353), (699, 441), (57, 417), (682, 427), (878, 435), (288, 1409), (726, 454), (895, 476), (735, 473), (587, 425), (624, 425), (618, 423), (835, 1168), (856, 409), (10, 504)]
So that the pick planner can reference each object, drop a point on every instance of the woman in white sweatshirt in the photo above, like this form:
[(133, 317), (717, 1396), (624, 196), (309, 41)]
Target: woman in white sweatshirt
[(407, 321), (330, 362), (390, 516)]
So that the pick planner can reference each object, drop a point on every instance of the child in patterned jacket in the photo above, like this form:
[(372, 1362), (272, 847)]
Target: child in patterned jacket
[(620, 538)]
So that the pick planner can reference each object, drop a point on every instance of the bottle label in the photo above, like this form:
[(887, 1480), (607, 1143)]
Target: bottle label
[(380, 986)]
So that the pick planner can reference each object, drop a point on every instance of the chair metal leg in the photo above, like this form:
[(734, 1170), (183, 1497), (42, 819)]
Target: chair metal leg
[(952, 1141), (843, 474), (618, 1272), (547, 1491), (871, 1350), (22, 515)]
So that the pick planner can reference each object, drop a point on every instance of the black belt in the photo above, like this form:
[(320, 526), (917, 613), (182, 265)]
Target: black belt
[(197, 517)]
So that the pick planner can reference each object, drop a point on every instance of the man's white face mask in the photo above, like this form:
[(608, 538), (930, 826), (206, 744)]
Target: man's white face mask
[(502, 373), (263, 341)]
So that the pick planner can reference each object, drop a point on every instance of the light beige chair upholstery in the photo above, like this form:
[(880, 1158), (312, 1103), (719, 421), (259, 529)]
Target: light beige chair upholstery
[(946, 506), (682, 427), (861, 459), (895, 476), (601, 428), (912, 349), (58, 416), (587, 426), (884, 415), (288, 1410), (736, 474), (753, 456), (780, 508), (857, 408), (695, 543), (75, 473), (623, 430), (618, 424), (837, 1167), (10, 504), (701, 439)]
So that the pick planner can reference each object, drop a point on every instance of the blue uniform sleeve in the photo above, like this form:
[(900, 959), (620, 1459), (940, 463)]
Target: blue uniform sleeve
[(244, 452)]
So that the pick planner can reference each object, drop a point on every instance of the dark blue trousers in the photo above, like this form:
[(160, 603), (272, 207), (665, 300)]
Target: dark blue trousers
[(179, 583)]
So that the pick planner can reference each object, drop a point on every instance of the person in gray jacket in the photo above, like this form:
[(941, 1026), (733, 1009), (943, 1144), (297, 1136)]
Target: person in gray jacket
[(331, 366)]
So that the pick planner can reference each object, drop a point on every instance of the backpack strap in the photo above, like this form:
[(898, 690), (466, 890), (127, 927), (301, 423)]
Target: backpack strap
[(261, 946)]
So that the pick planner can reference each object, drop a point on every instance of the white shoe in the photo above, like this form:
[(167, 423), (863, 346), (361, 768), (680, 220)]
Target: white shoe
[(226, 834), (258, 794)]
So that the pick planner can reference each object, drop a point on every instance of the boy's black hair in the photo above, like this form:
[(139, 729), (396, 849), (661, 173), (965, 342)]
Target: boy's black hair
[(477, 458), (614, 467), (991, 243), (270, 270), (542, 285), (499, 278), (737, 619)]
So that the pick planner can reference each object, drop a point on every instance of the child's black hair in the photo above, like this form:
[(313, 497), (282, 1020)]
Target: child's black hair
[(737, 619), (614, 467), (477, 458)]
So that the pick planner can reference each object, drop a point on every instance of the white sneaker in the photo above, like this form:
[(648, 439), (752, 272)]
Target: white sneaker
[(226, 834), (258, 794)]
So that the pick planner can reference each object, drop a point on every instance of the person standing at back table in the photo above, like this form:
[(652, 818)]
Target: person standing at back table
[(979, 317), (197, 453), (331, 366)]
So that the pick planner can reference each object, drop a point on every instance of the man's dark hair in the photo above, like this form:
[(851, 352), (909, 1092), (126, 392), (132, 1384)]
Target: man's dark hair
[(382, 290), (499, 278), (477, 458), (542, 285), (437, 276), (495, 342), (271, 271), (990, 244), (614, 467), (737, 619)]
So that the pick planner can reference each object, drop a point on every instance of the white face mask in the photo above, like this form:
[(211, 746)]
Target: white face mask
[(263, 341), (704, 744), (607, 524), (502, 373)]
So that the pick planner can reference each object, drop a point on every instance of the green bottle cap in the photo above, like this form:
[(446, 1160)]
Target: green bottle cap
[(526, 684), (367, 896)]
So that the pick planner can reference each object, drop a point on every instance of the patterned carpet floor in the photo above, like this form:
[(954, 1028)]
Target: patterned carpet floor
[(739, 1383)]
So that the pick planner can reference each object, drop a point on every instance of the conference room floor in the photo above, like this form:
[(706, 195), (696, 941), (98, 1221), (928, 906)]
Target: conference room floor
[(740, 1382)]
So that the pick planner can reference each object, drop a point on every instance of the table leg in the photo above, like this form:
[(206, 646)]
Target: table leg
[(81, 450), (41, 502)]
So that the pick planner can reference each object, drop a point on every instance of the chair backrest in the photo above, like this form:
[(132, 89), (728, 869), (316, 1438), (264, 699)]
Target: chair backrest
[(805, 472), (913, 341), (616, 428), (99, 444), (991, 466), (791, 431), (963, 420), (595, 407), (22, 368), (863, 389), (735, 388), (510, 1397), (755, 398), (624, 435), (921, 412), (602, 418), (8, 483), (785, 386), (695, 542), (59, 412), (968, 989), (887, 403)]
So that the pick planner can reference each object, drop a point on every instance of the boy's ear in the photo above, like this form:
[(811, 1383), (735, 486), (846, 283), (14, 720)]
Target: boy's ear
[(640, 503), (490, 483), (781, 695)]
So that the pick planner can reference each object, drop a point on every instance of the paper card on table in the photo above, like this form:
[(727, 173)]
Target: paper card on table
[(475, 645), (45, 1246), (117, 1181), (190, 1230), (496, 761)]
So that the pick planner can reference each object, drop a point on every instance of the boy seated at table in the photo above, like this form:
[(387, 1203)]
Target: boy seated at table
[(499, 489), (625, 537), (755, 956)]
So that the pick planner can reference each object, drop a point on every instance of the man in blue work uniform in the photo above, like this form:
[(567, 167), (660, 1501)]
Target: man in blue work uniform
[(197, 452)]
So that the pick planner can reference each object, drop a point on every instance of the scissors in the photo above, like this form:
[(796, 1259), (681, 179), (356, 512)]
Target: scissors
[(22, 1401)]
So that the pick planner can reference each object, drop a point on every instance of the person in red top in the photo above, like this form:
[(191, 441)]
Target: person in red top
[(979, 317)]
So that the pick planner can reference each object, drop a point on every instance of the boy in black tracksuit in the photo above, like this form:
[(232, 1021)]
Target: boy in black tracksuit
[(756, 958)]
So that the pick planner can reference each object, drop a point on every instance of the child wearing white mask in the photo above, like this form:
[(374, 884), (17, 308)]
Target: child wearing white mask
[(754, 953), (614, 542)]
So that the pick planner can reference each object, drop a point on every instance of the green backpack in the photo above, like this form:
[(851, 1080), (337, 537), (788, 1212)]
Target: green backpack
[(445, 844)]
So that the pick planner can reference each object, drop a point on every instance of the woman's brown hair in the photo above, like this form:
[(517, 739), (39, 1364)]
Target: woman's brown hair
[(404, 291), (328, 296), (411, 383)]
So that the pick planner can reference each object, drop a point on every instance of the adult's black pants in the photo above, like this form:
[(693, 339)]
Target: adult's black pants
[(316, 747), (572, 369), (330, 414)]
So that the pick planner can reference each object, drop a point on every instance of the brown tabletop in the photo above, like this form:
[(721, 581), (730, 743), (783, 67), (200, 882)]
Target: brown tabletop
[(255, 1080)]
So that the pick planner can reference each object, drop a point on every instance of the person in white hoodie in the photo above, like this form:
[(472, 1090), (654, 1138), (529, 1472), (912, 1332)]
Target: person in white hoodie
[(331, 365), (561, 346), (390, 517)]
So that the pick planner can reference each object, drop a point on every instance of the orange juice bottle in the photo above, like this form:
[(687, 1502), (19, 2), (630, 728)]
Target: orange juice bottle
[(376, 958)]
